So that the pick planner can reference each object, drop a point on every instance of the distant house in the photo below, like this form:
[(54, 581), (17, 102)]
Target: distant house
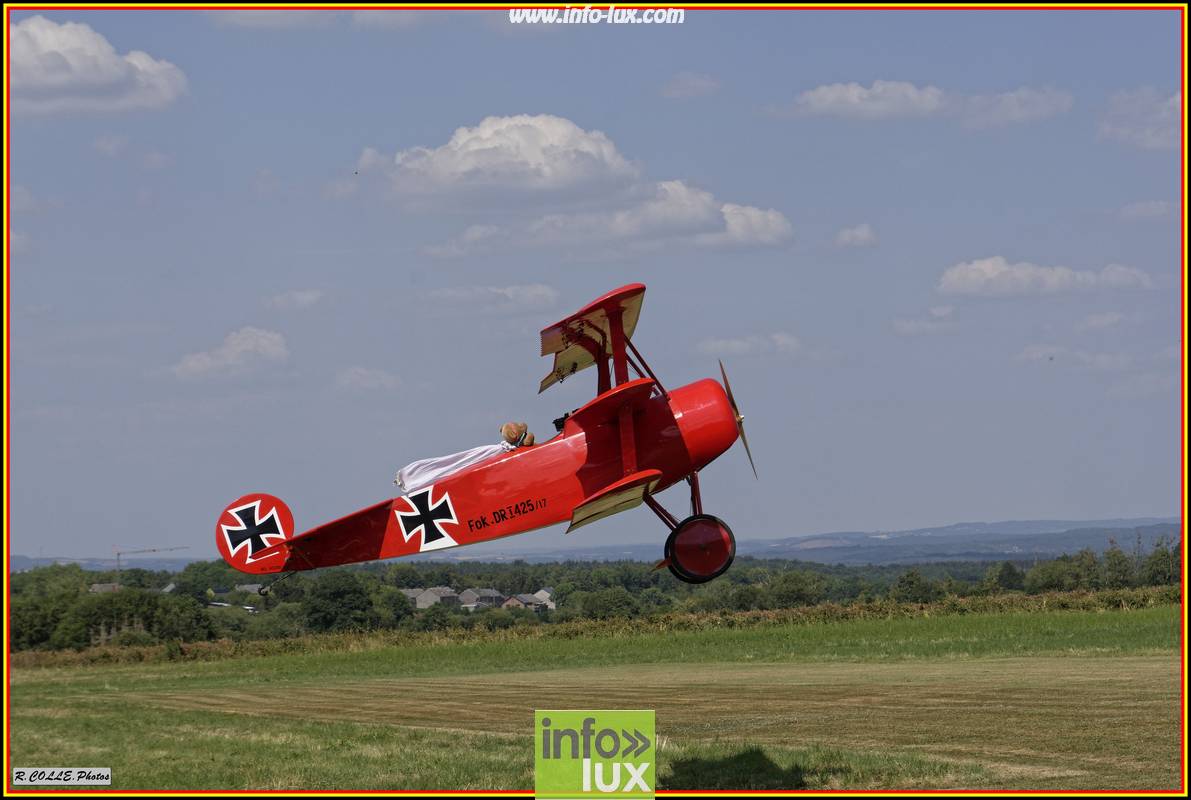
[(411, 594), (546, 595), (251, 588), (471, 599), (437, 594), (530, 601), (104, 588), (170, 588)]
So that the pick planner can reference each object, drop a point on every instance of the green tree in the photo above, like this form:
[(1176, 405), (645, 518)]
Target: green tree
[(284, 621), (653, 599), (199, 576), (390, 606), (1118, 570), (797, 588), (1163, 566), (57, 579), (1004, 577), (32, 619), (403, 576), (1087, 570), (1058, 575), (338, 601), (608, 603), (72, 632), (182, 618), (435, 618), (912, 587)]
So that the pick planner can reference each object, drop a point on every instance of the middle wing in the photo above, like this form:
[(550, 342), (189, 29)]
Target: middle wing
[(628, 492)]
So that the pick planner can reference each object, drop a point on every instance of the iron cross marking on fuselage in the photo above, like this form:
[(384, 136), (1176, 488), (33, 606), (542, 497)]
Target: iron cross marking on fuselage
[(254, 530), (426, 517)]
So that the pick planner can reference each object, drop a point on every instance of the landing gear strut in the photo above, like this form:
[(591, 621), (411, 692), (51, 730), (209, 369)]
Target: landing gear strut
[(700, 547)]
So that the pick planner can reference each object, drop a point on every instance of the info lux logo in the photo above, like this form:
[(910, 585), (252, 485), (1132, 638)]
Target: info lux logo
[(593, 754)]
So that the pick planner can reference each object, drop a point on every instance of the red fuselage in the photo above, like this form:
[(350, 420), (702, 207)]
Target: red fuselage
[(532, 487)]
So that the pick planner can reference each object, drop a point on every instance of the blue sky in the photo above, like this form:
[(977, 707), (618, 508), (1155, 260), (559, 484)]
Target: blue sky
[(292, 251)]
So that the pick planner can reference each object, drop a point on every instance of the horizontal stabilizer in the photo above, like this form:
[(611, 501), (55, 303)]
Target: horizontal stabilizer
[(628, 492), (356, 537)]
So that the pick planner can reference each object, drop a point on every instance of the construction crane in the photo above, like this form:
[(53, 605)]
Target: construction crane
[(134, 552)]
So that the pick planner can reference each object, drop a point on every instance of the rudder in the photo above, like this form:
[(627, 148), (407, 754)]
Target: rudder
[(250, 525)]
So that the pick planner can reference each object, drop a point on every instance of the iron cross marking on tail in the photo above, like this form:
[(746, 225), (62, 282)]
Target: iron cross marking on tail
[(252, 530), (426, 516)]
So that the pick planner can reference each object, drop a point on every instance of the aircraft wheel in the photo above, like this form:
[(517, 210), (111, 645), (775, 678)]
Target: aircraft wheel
[(700, 548)]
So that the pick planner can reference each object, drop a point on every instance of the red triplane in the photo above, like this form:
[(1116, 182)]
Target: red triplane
[(633, 440)]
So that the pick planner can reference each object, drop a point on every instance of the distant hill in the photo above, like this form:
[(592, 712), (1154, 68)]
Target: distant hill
[(987, 542), (965, 541), (24, 563)]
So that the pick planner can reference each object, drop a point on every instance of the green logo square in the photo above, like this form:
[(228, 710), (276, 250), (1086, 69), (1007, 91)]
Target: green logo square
[(593, 754)]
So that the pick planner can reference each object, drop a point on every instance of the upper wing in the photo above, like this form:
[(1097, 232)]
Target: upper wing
[(575, 341)]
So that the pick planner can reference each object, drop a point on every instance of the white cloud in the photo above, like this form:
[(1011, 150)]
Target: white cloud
[(475, 239), (675, 210), (1143, 118), (110, 146), (547, 154), (362, 379), (294, 300), (996, 276), (1145, 209), (861, 235), (70, 68), (1021, 105), (672, 208), (882, 100), (671, 211), (749, 226), (1046, 353), (896, 99), (937, 321), (777, 343), (280, 19), (686, 84), (499, 299), (1093, 322), (240, 350), (372, 160), (540, 153)]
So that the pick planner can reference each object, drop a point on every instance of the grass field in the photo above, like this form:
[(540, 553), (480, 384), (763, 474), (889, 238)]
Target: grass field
[(1048, 700)]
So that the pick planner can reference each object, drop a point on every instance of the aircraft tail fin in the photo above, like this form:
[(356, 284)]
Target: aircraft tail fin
[(248, 529)]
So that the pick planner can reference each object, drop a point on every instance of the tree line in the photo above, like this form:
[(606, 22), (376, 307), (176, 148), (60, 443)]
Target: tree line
[(52, 608)]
